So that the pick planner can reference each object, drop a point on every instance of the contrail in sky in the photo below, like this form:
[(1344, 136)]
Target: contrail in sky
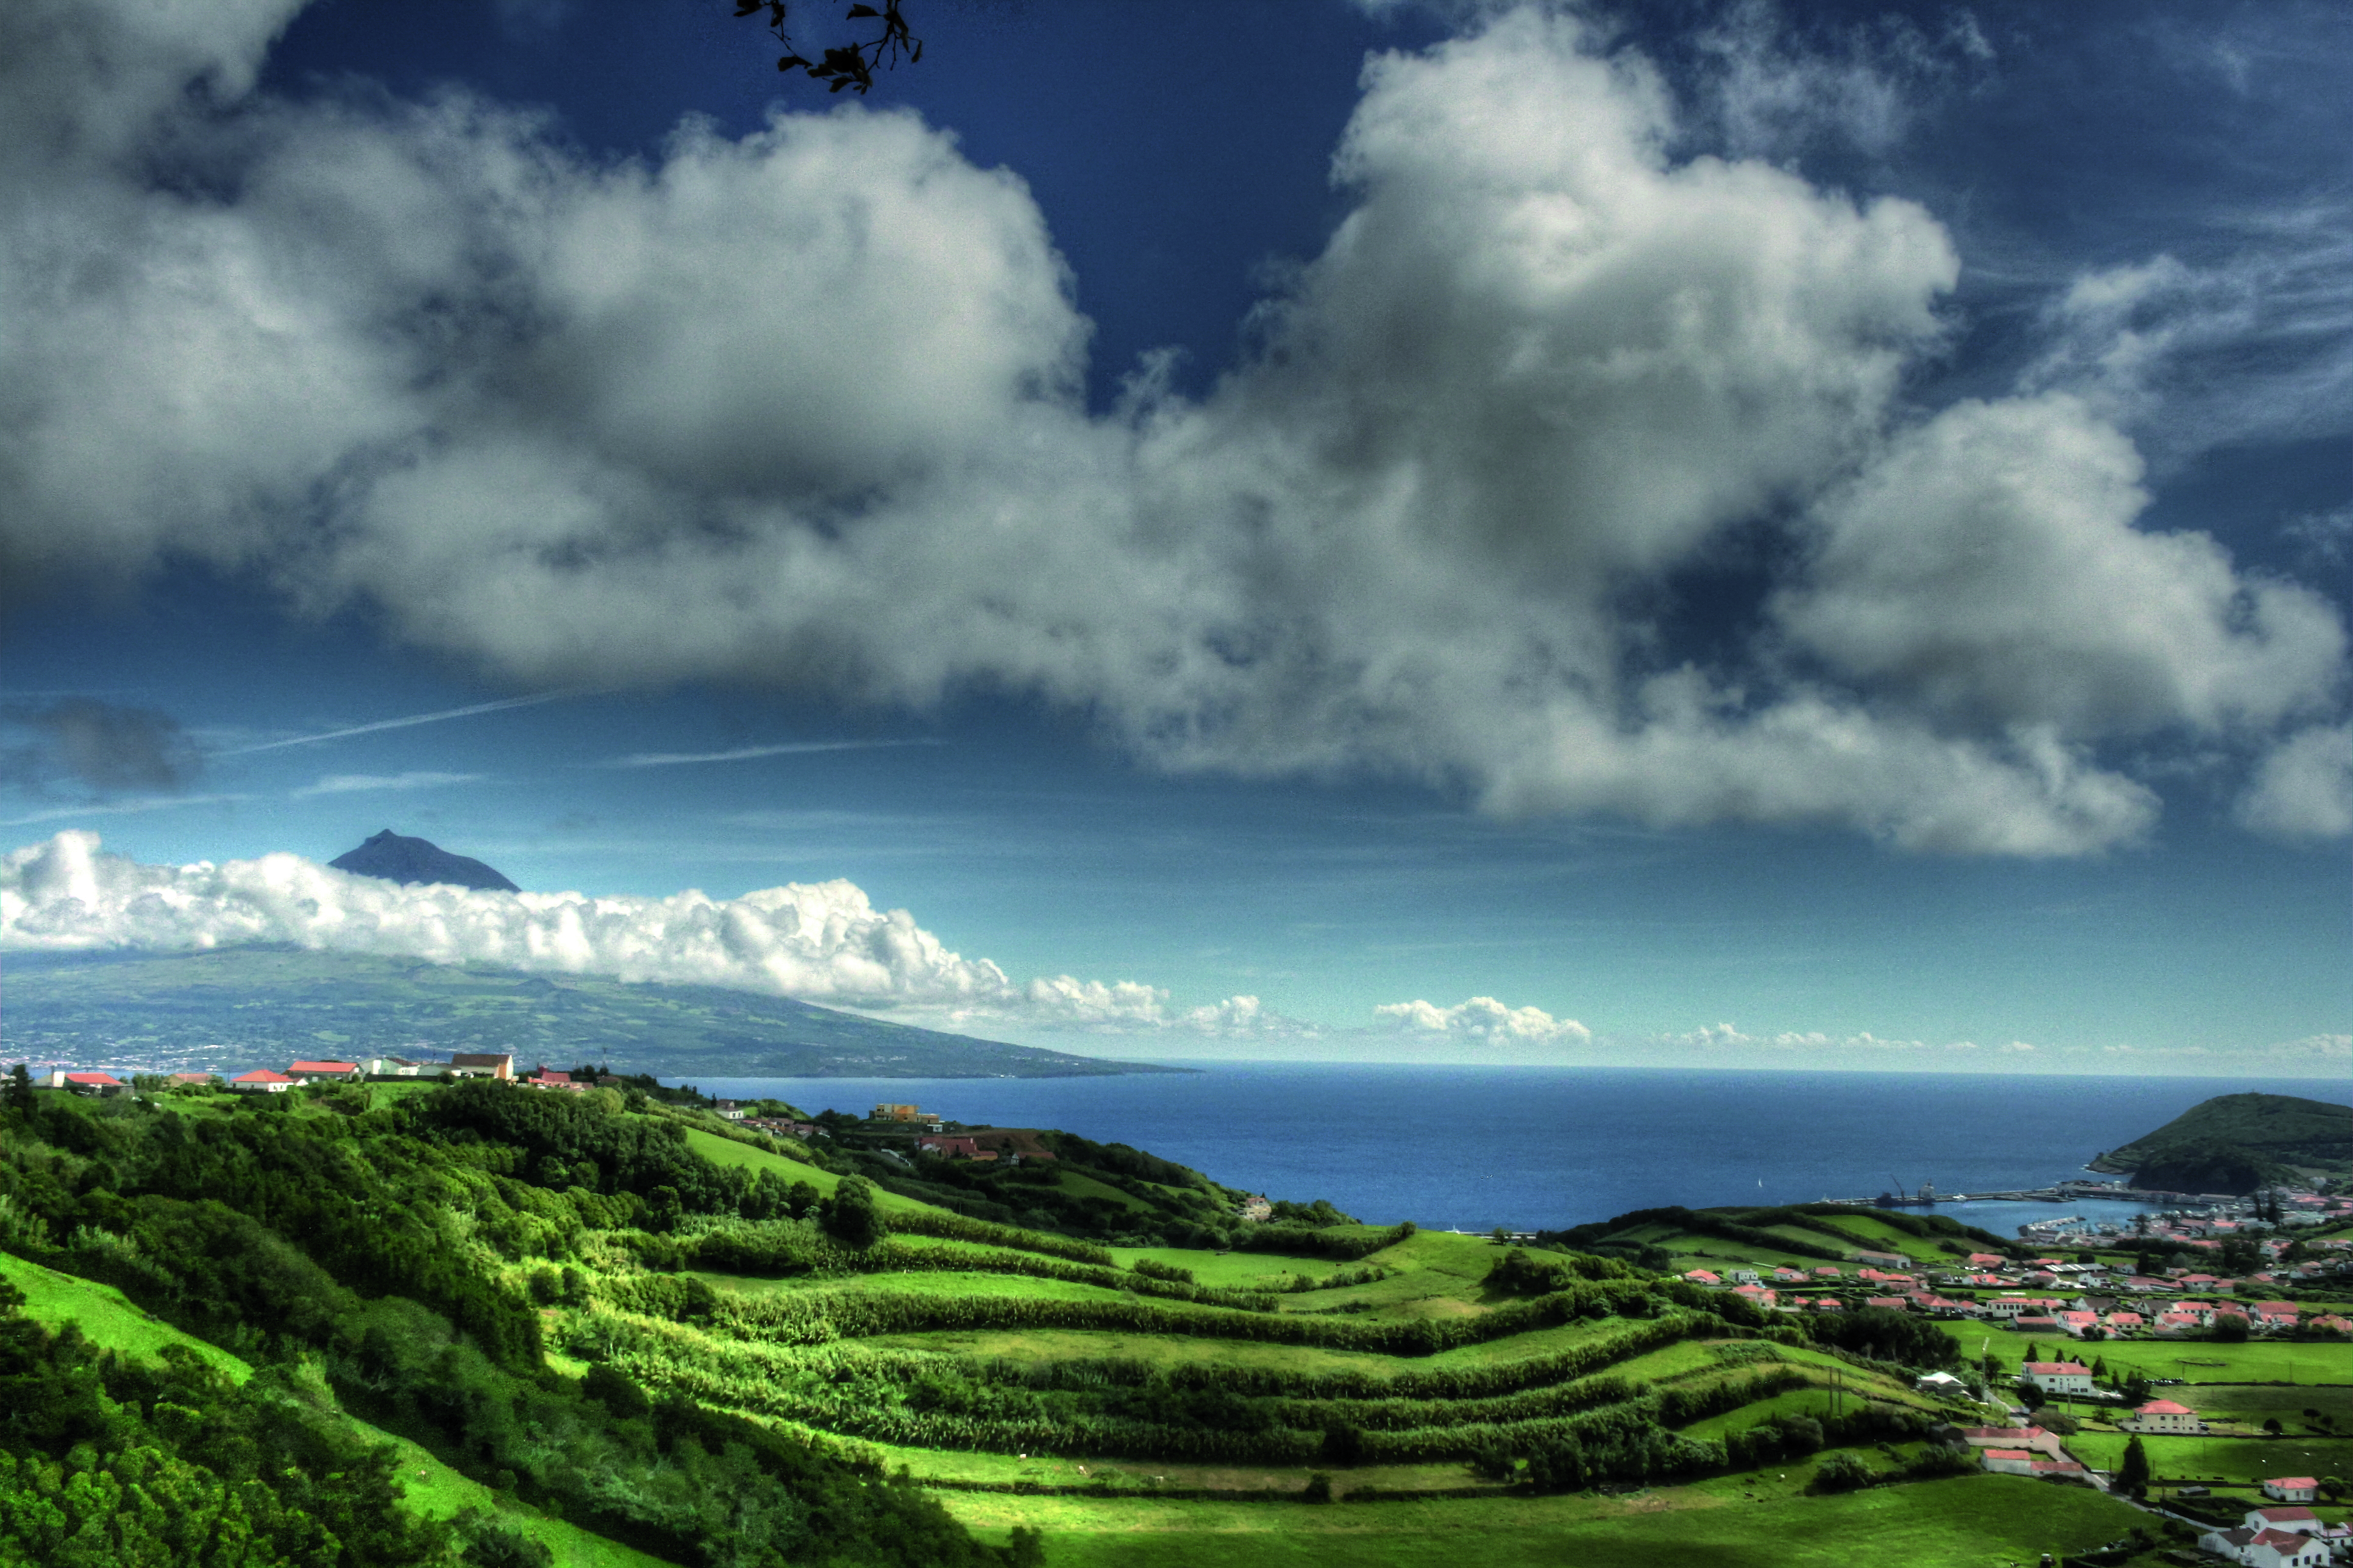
[(117, 808), (745, 753), (466, 713)]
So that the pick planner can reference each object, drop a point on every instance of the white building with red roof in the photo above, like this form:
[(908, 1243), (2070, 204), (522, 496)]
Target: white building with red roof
[(2266, 1548), (2162, 1416), (2058, 1376), (261, 1080), (88, 1082), (2292, 1488), (324, 1072)]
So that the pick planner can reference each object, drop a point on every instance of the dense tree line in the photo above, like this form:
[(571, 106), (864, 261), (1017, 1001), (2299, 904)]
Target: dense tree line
[(386, 1248), (105, 1461)]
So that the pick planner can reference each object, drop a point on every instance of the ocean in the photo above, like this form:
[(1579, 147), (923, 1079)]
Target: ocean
[(1542, 1148)]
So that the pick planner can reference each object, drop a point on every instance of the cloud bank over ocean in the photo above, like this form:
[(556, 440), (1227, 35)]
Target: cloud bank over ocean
[(567, 420), (819, 941), (825, 941)]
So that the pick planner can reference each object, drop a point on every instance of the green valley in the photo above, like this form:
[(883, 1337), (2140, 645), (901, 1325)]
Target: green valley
[(601, 1325)]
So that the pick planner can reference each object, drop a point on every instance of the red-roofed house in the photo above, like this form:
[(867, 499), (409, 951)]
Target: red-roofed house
[(2292, 1488), (2265, 1548), (544, 1078), (2275, 1314), (2076, 1324), (329, 1072), (2161, 1416), (1827, 1272), (1701, 1277), (1758, 1294), (2124, 1322), (1891, 1303), (1984, 1260), (261, 1080), (2007, 1461), (2041, 1323), (89, 1082), (2058, 1376)]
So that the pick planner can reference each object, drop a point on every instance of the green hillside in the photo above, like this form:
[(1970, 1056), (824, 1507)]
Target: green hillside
[(240, 1007), (2235, 1142), (710, 1347), (1804, 1236)]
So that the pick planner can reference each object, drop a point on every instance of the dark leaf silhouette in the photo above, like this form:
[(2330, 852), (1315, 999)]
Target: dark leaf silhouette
[(843, 65)]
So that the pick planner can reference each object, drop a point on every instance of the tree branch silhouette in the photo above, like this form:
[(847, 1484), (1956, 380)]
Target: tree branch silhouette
[(850, 65)]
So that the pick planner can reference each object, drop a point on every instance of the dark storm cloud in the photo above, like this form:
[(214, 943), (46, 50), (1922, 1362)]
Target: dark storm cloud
[(94, 744)]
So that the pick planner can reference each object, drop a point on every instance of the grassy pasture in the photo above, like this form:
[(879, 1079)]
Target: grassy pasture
[(2220, 1458), (1078, 1186), (104, 1314), (2252, 1403), (1228, 1270), (1975, 1522), (2257, 1360), (428, 1486)]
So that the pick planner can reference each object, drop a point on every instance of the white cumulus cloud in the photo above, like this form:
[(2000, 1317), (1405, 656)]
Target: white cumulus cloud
[(1480, 1018), (2303, 786), (806, 407), (823, 940)]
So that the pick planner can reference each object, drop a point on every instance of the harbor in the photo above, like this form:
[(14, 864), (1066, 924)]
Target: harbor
[(1926, 1195)]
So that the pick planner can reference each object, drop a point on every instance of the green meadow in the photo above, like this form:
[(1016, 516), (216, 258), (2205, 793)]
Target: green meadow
[(1986, 1521)]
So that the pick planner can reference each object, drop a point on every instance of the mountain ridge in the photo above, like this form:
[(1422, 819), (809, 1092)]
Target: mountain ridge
[(249, 1005)]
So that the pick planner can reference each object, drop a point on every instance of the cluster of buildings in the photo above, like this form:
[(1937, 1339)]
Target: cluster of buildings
[(2214, 1220), (2081, 1300), (2280, 1537), (268, 1080)]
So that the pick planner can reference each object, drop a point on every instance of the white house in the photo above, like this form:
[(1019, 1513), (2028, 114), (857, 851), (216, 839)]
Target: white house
[(2266, 1548), (261, 1080), (1940, 1382), (2292, 1488), (2302, 1521), (2058, 1376), (2161, 1416)]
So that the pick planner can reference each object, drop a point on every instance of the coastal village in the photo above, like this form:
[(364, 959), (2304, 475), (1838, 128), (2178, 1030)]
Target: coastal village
[(2083, 1302)]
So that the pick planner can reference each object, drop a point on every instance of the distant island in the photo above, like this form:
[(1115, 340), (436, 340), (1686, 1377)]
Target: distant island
[(2239, 1143), (416, 861), (259, 1006)]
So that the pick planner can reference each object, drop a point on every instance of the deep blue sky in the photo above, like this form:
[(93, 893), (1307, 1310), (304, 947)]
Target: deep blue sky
[(2175, 172)]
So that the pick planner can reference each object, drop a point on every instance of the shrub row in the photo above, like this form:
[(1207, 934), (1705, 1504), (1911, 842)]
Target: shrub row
[(1301, 1241), (958, 1227), (815, 1317), (732, 1251)]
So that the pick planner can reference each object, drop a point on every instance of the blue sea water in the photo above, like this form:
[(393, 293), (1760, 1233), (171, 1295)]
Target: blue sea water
[(1527, 1147)]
